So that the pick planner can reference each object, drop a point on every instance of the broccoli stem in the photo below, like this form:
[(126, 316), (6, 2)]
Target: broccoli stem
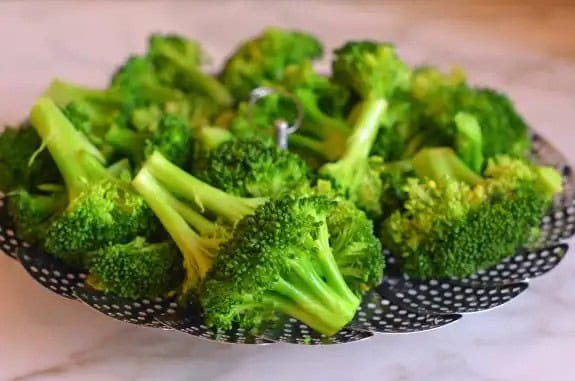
[(365, 129), (435, 163), (359, 143), (65, 143), (305, 296), (125, 140), (197, 258), (195, 78), (188, 187), (63, 93)]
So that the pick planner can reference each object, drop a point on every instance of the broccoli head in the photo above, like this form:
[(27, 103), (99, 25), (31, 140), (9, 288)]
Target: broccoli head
[(23, 164), (280, 261), (177, 60), (451, 228), (137, 269), (263, 59), (101, 209)]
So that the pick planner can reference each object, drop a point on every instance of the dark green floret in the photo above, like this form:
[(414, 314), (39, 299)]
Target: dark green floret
[(375, 73), (254, 168), (178, 60)]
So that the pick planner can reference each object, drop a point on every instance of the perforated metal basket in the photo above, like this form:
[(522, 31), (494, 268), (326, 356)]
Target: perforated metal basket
[(398, 305)]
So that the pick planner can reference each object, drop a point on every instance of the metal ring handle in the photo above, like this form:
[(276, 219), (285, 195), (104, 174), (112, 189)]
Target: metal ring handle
[(283, 128)]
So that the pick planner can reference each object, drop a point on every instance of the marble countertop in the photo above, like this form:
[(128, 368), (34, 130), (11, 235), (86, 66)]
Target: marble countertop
[(512, 46)]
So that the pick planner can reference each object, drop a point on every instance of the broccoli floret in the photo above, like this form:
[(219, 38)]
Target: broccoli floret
[(253, 168), (437, 99), (263, 59), (138, 78), (101, 210), (374, 72), (177, 61), (449, 228), (281, 260), (172, 137), (31, 212), (435, 163), (323, 132), (137, 269), (175, 195), (23, 164)]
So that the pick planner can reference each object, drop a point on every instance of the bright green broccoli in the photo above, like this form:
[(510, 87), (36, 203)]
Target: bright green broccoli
[(437, 99), (137, 269), (283, 259), (263, 59), (374, 72), (453, 224), (101, 210), (176, 196), (253, 168), (177, 60), (172, 137), (324, 131)]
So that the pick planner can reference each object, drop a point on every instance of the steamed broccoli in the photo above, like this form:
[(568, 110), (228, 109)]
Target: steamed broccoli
[(324, 131), (23, 165), (101, 210), (177, 61), (455, 223), (137, 269), (172, 137), (284, 259), (175, 195), (263, 59), (438, 97), (253, 168), (374, 72)]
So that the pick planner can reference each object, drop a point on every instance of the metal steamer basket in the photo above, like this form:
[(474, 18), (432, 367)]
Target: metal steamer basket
[(398, 305)]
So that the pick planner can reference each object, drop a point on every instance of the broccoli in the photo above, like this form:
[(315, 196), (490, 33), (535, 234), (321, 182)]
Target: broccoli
[(438, 97), (137, 269), (469, 141), (138, 78), (175, 195), (177, 61), (23, 164), (323, 132), (263, 59), (30, 212), (453, 224), (254, 168), (100, 210), (375, 73), (282, 259), (172, 137)]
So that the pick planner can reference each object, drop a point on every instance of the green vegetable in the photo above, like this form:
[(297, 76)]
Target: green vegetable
[(264, 58), (375, 73), (253, 168), (137, 269), (452, 227), (177, 61), (101, 210), (283, 259)]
